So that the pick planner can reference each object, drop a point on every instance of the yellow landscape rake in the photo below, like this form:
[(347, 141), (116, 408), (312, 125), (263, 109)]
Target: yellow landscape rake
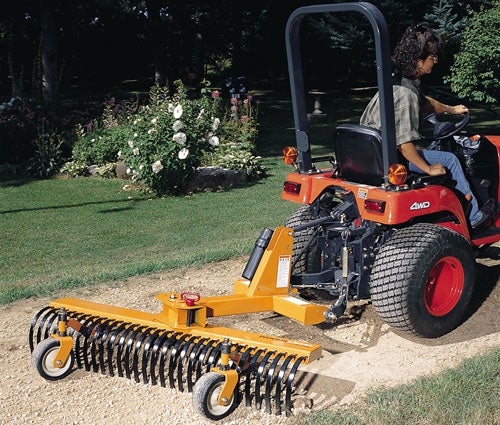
[(178, 348)]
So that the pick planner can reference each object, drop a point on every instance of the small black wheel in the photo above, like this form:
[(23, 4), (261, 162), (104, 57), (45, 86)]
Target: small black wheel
[(422, 280), (205, 394), (43, 356)]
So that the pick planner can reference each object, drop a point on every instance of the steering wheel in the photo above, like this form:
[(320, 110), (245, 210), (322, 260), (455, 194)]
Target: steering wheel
[(443, 130)]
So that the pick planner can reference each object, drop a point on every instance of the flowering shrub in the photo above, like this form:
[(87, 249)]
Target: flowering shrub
[(168, 139)]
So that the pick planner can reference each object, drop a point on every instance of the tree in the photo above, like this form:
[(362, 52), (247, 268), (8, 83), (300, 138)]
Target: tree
[(475, 74)]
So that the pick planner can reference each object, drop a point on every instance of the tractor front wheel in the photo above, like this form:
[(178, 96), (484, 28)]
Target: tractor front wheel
[(422, 280)]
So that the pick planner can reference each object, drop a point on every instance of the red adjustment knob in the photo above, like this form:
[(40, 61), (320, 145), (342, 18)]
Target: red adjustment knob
[(190, 298)]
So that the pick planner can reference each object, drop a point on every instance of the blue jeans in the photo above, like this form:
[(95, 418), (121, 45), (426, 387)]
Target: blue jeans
[(451, 162)]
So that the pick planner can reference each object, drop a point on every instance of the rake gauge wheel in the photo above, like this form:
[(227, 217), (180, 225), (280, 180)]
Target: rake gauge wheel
[(43, 360), (205, 394)]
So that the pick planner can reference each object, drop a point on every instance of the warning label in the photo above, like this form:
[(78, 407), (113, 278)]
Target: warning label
[(283, 271)]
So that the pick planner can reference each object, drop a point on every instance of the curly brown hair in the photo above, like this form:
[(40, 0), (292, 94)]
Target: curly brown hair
[(417, 42)]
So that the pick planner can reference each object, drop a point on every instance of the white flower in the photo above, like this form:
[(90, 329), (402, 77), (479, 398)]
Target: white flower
[(170, 108), (178, 111), (135, 151), (130, 143), (216, 123), (151, 131), (119, 155), (135, 122), (178, 124), (214, 141), (154, 121), (129, 171), (183, 153), (141, 167), (135, 135), (92, 140), (179, 138), (200, 114), (157, 166)]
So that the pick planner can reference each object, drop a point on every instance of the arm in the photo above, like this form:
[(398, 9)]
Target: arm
[(410, 153), (433, 105)]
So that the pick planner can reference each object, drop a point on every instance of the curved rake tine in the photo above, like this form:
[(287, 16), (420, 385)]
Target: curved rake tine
[(130, 342), (119, 350), (154, 354), (32, 328), (145, 355), (214, 356), (88, 331), (109, 329), (279, 382), (248, 376), (111, 345), (180, 363), (201, 358), (195, 352), (166, 347), (97, 361), (270, 379), (79, 338), (173, 357), (289, 385), (258, 379)]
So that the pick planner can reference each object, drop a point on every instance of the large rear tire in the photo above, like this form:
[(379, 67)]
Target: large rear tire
[(422, 280), (309, 261)]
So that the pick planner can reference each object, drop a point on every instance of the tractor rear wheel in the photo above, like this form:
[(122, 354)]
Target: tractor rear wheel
[(422, 280), (309, 261)]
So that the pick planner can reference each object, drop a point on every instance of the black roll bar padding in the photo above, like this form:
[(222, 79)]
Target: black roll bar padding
[(384, 78)]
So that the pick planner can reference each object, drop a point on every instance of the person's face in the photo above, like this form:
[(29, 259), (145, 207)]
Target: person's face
[(425, 65)]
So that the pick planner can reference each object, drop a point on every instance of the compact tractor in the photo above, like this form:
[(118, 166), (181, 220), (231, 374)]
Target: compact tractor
[(366, 228)]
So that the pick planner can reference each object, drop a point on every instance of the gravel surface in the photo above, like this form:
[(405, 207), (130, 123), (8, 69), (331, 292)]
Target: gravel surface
[(360, 352)]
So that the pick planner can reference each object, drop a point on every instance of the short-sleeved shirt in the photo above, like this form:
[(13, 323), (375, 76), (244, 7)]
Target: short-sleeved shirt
[(408, 101)]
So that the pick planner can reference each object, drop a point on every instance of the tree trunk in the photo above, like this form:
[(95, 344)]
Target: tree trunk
[(49, 50)]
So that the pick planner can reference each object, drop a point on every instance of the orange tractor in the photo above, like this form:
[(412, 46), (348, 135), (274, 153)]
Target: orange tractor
[(365, 229)]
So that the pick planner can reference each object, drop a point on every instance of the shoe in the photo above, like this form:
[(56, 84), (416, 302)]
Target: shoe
[(484, 214)]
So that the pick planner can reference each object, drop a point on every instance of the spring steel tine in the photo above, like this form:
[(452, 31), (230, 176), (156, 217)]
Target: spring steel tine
[(78, 347), (97, 361), (33, 325), (130, 342), (214, 356), (279, 382), (270, 379), (111, 345), (87, 327), (154, 354), (45, 324), (248, 376), (173, 357), (195, 352), (91, 330), (163, 355), (145, 354), (105, 335), (119, 350), (189, 345), (258, 380), (241, 362), (139, 348), (289, 385), (202, 356)]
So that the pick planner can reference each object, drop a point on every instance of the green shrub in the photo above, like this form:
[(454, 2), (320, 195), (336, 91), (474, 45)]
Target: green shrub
[(475, 75), (101, 146)]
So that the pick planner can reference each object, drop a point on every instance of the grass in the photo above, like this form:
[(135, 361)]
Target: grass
[(467, 395), (59, 234)]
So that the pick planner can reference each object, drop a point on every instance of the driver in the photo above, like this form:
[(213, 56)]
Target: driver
[(414, 56)]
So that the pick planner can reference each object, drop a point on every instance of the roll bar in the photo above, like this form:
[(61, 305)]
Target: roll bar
[(384, 79)]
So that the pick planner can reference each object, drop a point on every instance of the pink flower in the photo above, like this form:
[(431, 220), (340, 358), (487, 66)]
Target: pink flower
[(244, 118), (215, 94), (249, 97), (234, 101)]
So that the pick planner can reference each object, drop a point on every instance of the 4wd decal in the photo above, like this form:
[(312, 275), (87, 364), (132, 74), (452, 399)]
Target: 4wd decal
[(420, 205)]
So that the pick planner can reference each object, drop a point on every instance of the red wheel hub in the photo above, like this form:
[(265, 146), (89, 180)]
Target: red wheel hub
[(444, 286)]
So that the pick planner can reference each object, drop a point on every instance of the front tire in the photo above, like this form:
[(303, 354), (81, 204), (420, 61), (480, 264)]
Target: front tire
[(422, 280), (43, 356)]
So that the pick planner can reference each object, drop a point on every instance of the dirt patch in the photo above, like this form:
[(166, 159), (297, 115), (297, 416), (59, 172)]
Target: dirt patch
[(360, 352)]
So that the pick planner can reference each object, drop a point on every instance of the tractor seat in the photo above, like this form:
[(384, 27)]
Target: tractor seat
[(358, 153)]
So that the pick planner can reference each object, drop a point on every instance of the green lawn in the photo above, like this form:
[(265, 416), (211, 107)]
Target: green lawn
[(62, 233), (467, 395)]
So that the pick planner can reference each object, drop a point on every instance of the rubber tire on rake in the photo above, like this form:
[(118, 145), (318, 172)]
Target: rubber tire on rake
[(42, 358), (205, 394)]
